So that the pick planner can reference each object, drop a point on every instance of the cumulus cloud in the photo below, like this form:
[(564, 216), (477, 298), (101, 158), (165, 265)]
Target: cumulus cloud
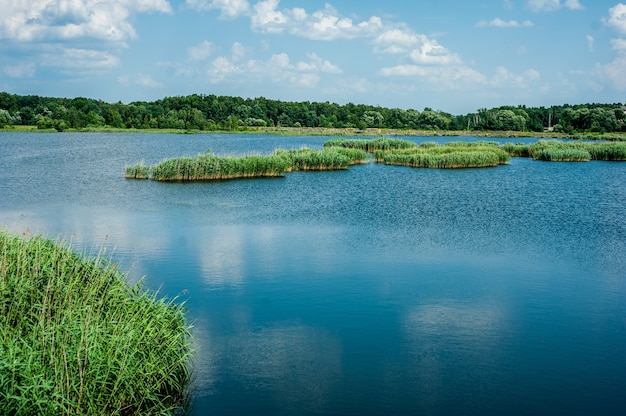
[(505, 78), (617, 18), (552, 5), (72, 19), (279, 68), (614, 71), (80, 34), (618, 44), (397, 40), (201, 51), (324, 24), (60, 57), (146, 80), (25, 70), (497, 22), (266, 18), (228, 8)]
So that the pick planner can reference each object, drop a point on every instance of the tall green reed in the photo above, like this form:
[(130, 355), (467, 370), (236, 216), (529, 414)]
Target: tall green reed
[(75, 338)]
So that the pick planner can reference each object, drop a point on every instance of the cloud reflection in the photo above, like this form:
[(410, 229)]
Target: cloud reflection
[(297, 365)]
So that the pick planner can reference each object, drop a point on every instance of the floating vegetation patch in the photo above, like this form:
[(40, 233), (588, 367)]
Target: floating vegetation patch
[(555, 150), (312, 159), (75, 338), (339, 154), (370, 146)]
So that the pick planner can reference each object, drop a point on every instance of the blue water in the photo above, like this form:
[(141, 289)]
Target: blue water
[(376, 290)]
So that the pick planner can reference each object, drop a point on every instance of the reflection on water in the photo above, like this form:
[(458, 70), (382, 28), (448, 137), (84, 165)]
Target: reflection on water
[(376, 290)]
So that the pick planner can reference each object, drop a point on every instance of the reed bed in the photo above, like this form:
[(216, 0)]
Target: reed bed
[(210, 167), (370, 146), (449, 160), (562, 155), (75, 338), (312, 159), (450, 155), (340, 153)]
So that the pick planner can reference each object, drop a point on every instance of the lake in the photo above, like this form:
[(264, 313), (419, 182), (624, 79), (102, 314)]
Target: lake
[(374, 290)]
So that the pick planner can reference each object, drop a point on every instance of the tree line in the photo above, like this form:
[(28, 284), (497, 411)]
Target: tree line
[(211, 112)]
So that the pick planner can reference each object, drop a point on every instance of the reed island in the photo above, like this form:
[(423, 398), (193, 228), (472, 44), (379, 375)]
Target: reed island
[(342, 153)]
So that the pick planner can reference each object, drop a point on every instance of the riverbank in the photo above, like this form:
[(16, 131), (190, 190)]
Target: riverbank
[(322, 131), (75, 338)]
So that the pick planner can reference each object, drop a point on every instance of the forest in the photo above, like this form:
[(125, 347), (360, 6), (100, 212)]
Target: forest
[(225, 113)]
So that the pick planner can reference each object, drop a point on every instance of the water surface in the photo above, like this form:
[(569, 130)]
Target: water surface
[(376, 290)]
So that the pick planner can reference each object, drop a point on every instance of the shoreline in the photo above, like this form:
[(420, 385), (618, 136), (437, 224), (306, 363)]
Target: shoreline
[(323, 131)]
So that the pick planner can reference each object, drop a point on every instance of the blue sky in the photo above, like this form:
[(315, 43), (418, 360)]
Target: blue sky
[(450, 55)]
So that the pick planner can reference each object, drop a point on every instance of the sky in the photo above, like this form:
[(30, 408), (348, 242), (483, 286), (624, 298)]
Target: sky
[(450, 55)]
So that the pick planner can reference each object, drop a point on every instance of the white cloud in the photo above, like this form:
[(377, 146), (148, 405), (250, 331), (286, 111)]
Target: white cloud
[(238, 51), (451, 77), (201, 51), (590, 42), (504, 78), (324, 24), (618, 44), (278, 69), (266, 18), (497, 22), (82, 59), (25, 70), (431, 53), (615, 70), (73, 19), (228, 8), (617, 18), (221, 68), (573, 5), (551, 5), (397, 40), (145, 80), (317, 64)]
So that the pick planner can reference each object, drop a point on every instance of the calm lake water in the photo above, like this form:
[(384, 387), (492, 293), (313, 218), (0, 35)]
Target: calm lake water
[(376, 290)]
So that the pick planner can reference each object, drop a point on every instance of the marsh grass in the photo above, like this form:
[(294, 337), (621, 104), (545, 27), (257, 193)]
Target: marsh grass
[(340, 153), (370, 146), (75, 338), (562, 155), (442, 160), (447, 156)]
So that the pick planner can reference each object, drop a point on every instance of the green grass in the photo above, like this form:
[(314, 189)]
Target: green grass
[(448, 160), (370, 146), (341, 153), (211, 167), (75, 338)]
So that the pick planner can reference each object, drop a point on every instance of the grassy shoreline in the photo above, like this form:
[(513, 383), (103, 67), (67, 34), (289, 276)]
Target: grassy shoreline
[(321, 131), (75, 338)]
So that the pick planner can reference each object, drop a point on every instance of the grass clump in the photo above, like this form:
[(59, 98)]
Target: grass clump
[(370, 146), (448, 156), (448, 160), (562, 155), (210, 167), (330, 158), (75, 338)]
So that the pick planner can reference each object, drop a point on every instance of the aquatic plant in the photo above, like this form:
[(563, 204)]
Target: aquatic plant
[(562, 155), (138, 171), (450, 160), (370, 146), (75, 338), (211, 167), (312, 159), (607, 151)]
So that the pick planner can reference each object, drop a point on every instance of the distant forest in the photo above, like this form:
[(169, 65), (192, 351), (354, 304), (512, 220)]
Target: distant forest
[(211, 112)]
